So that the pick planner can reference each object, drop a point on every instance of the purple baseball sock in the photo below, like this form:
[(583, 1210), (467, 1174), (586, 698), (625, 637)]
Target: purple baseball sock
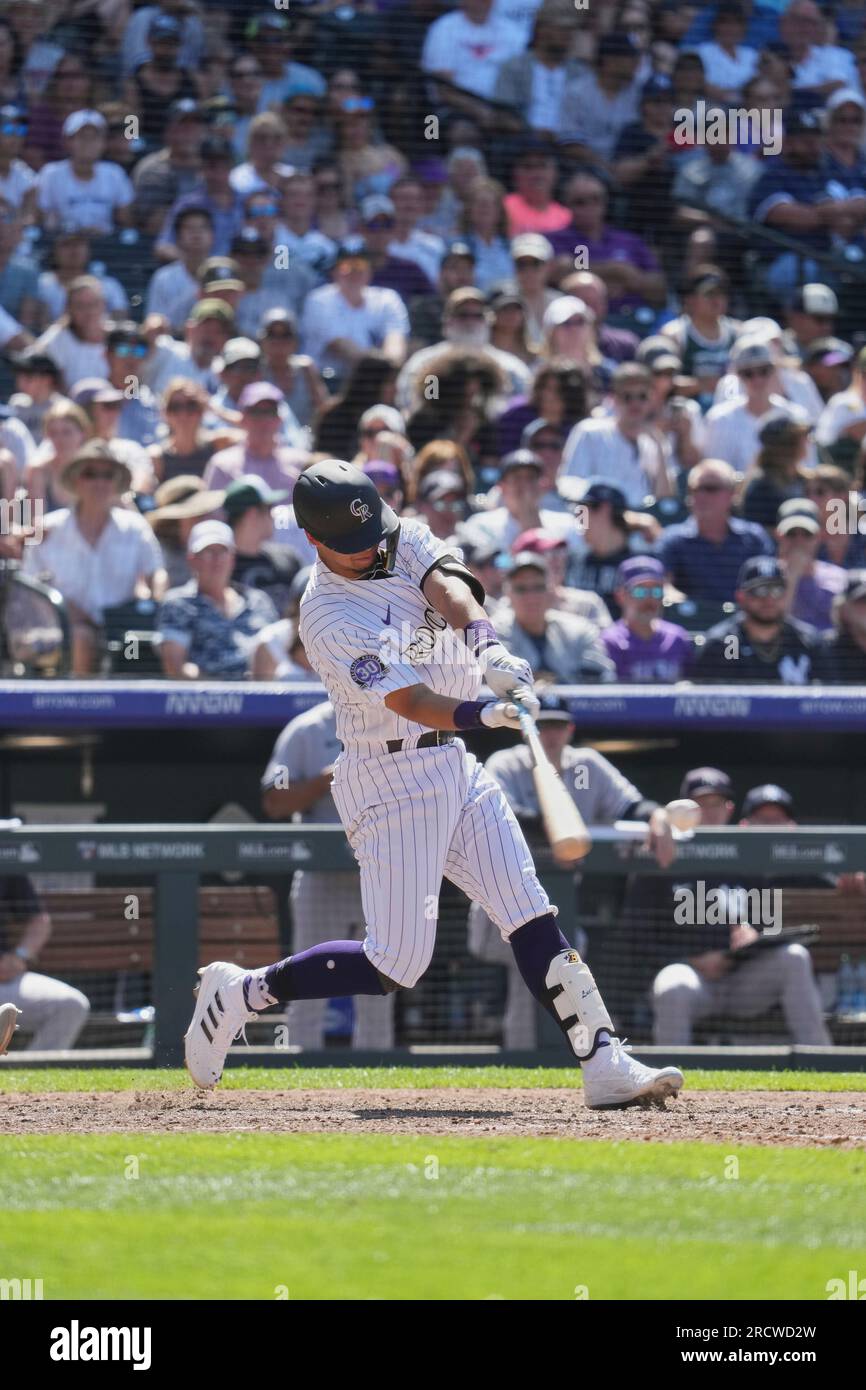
[(326, 971), (534, 945)]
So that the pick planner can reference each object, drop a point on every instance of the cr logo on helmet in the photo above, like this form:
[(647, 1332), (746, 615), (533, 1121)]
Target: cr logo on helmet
[(360, 510)]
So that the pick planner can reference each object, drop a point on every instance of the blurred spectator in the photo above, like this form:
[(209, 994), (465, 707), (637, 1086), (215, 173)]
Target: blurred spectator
[(17, 179), (844, 416), (486, 232), (535, 81), (847, 647), (811, 314), (294, 373), (827, 361), (332, 218), (252, 253), (173, 127), (69, 260), (466, 324), (778, 472), (298, 231), (598, 106), (263, 169), (126, 349), (85, 190), (812, 584), (643, 647), (174, 288), (831, 491), (366, 166), (819, 66), (702, 556), (65, 427), (306, 140), (532, 206), (259, 452), (168, 16), (347, 318), (582, 603), (559, 646), (102, 403), (18, 281), (509, 329), (532, 254), (621, 449), (69, 89), (715, 178), (788, 381), (728, 61), (616, 344), (675, 420), (269, 38), (180, 503), (558, 396), (704, 334), (214, 194), (440, 456), (734, 428), (372, 380), (37, 378), (846, 121), (644, 162), (469, 45), (440, 501), (408, 240), (76, 340), (186, 448), (623, 260), (96, 552), (457, 271), (520, 490), (260, 562), (604, 542), (390, 271), (206, 332), (236, 368), (52, 1012), (547, 443), (759, 643), (208, 626)]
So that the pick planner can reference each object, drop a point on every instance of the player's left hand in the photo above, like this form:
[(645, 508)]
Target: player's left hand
[(528, 699), (504, 671)]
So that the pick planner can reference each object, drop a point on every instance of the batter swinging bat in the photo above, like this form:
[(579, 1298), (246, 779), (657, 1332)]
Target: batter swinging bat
[(563, 823)]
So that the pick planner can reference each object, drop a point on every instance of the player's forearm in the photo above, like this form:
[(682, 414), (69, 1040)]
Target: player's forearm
[(421, 705)]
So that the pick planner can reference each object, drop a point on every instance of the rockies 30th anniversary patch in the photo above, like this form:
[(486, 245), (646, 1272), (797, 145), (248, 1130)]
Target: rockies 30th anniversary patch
[(366, 670)]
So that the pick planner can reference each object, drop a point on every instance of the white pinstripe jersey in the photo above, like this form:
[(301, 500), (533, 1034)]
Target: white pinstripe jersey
[(367, 638)]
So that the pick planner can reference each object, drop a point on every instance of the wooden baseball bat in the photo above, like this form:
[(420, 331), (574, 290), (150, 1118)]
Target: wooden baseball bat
[(563, 823)]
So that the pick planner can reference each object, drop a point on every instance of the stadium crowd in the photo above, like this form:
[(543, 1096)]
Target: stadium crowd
[(495, 252)]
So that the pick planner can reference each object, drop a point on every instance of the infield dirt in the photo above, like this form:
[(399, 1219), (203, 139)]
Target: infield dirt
[(789, 1118)]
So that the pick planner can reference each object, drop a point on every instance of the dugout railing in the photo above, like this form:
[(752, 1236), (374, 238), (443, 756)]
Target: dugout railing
[(172, 924)]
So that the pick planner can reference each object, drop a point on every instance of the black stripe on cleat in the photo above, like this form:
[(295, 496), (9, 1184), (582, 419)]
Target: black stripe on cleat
[(205, 1030)]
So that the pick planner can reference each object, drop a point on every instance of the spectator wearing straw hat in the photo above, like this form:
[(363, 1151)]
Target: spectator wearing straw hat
[(180, 503), (96, 552)]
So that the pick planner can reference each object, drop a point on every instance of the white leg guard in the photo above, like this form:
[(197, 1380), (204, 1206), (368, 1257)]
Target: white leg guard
[(575, 999)]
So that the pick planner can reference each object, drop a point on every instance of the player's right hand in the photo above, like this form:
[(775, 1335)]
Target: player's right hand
[(500, 715), (504, 671)]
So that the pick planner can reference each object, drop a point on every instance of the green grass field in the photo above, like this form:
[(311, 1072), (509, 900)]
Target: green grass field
[(333, 1216)]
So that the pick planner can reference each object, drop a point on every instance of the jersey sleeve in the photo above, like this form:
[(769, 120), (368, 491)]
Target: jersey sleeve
[(421, 551), (289, 761), (356, 665), (614, 792)]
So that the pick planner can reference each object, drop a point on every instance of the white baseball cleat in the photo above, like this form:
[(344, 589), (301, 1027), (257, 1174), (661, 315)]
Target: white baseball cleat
[(625, 1081), (220, 1016), (9, 1017)]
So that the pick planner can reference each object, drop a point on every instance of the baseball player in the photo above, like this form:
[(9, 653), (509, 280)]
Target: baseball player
[(602, 795), (393, 624), (297, 781)]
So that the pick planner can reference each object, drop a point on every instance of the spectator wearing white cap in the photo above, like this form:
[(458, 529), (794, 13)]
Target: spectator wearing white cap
[(532, 254), (845, 114), (208, 627), (788, 380), (85, 190), (733, 427), (810, 313)]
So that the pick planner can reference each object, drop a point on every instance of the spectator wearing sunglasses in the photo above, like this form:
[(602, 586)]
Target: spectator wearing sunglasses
[(296, 375), (733, 428), (390, 271), (759, 644), (703, 555), (621, 448), (812, 584), (582, 603), (215, 194), (260, 452), (643, 647), (306, 138), (440, 500), (102, 404), (559, 646), (778, 473), (17, 179)]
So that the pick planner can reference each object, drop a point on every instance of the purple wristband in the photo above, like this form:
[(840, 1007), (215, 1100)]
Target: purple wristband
[(480, 635), (468, 715)]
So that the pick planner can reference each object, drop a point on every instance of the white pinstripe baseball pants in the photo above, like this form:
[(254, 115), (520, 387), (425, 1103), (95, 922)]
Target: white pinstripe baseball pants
[(415, 817)]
